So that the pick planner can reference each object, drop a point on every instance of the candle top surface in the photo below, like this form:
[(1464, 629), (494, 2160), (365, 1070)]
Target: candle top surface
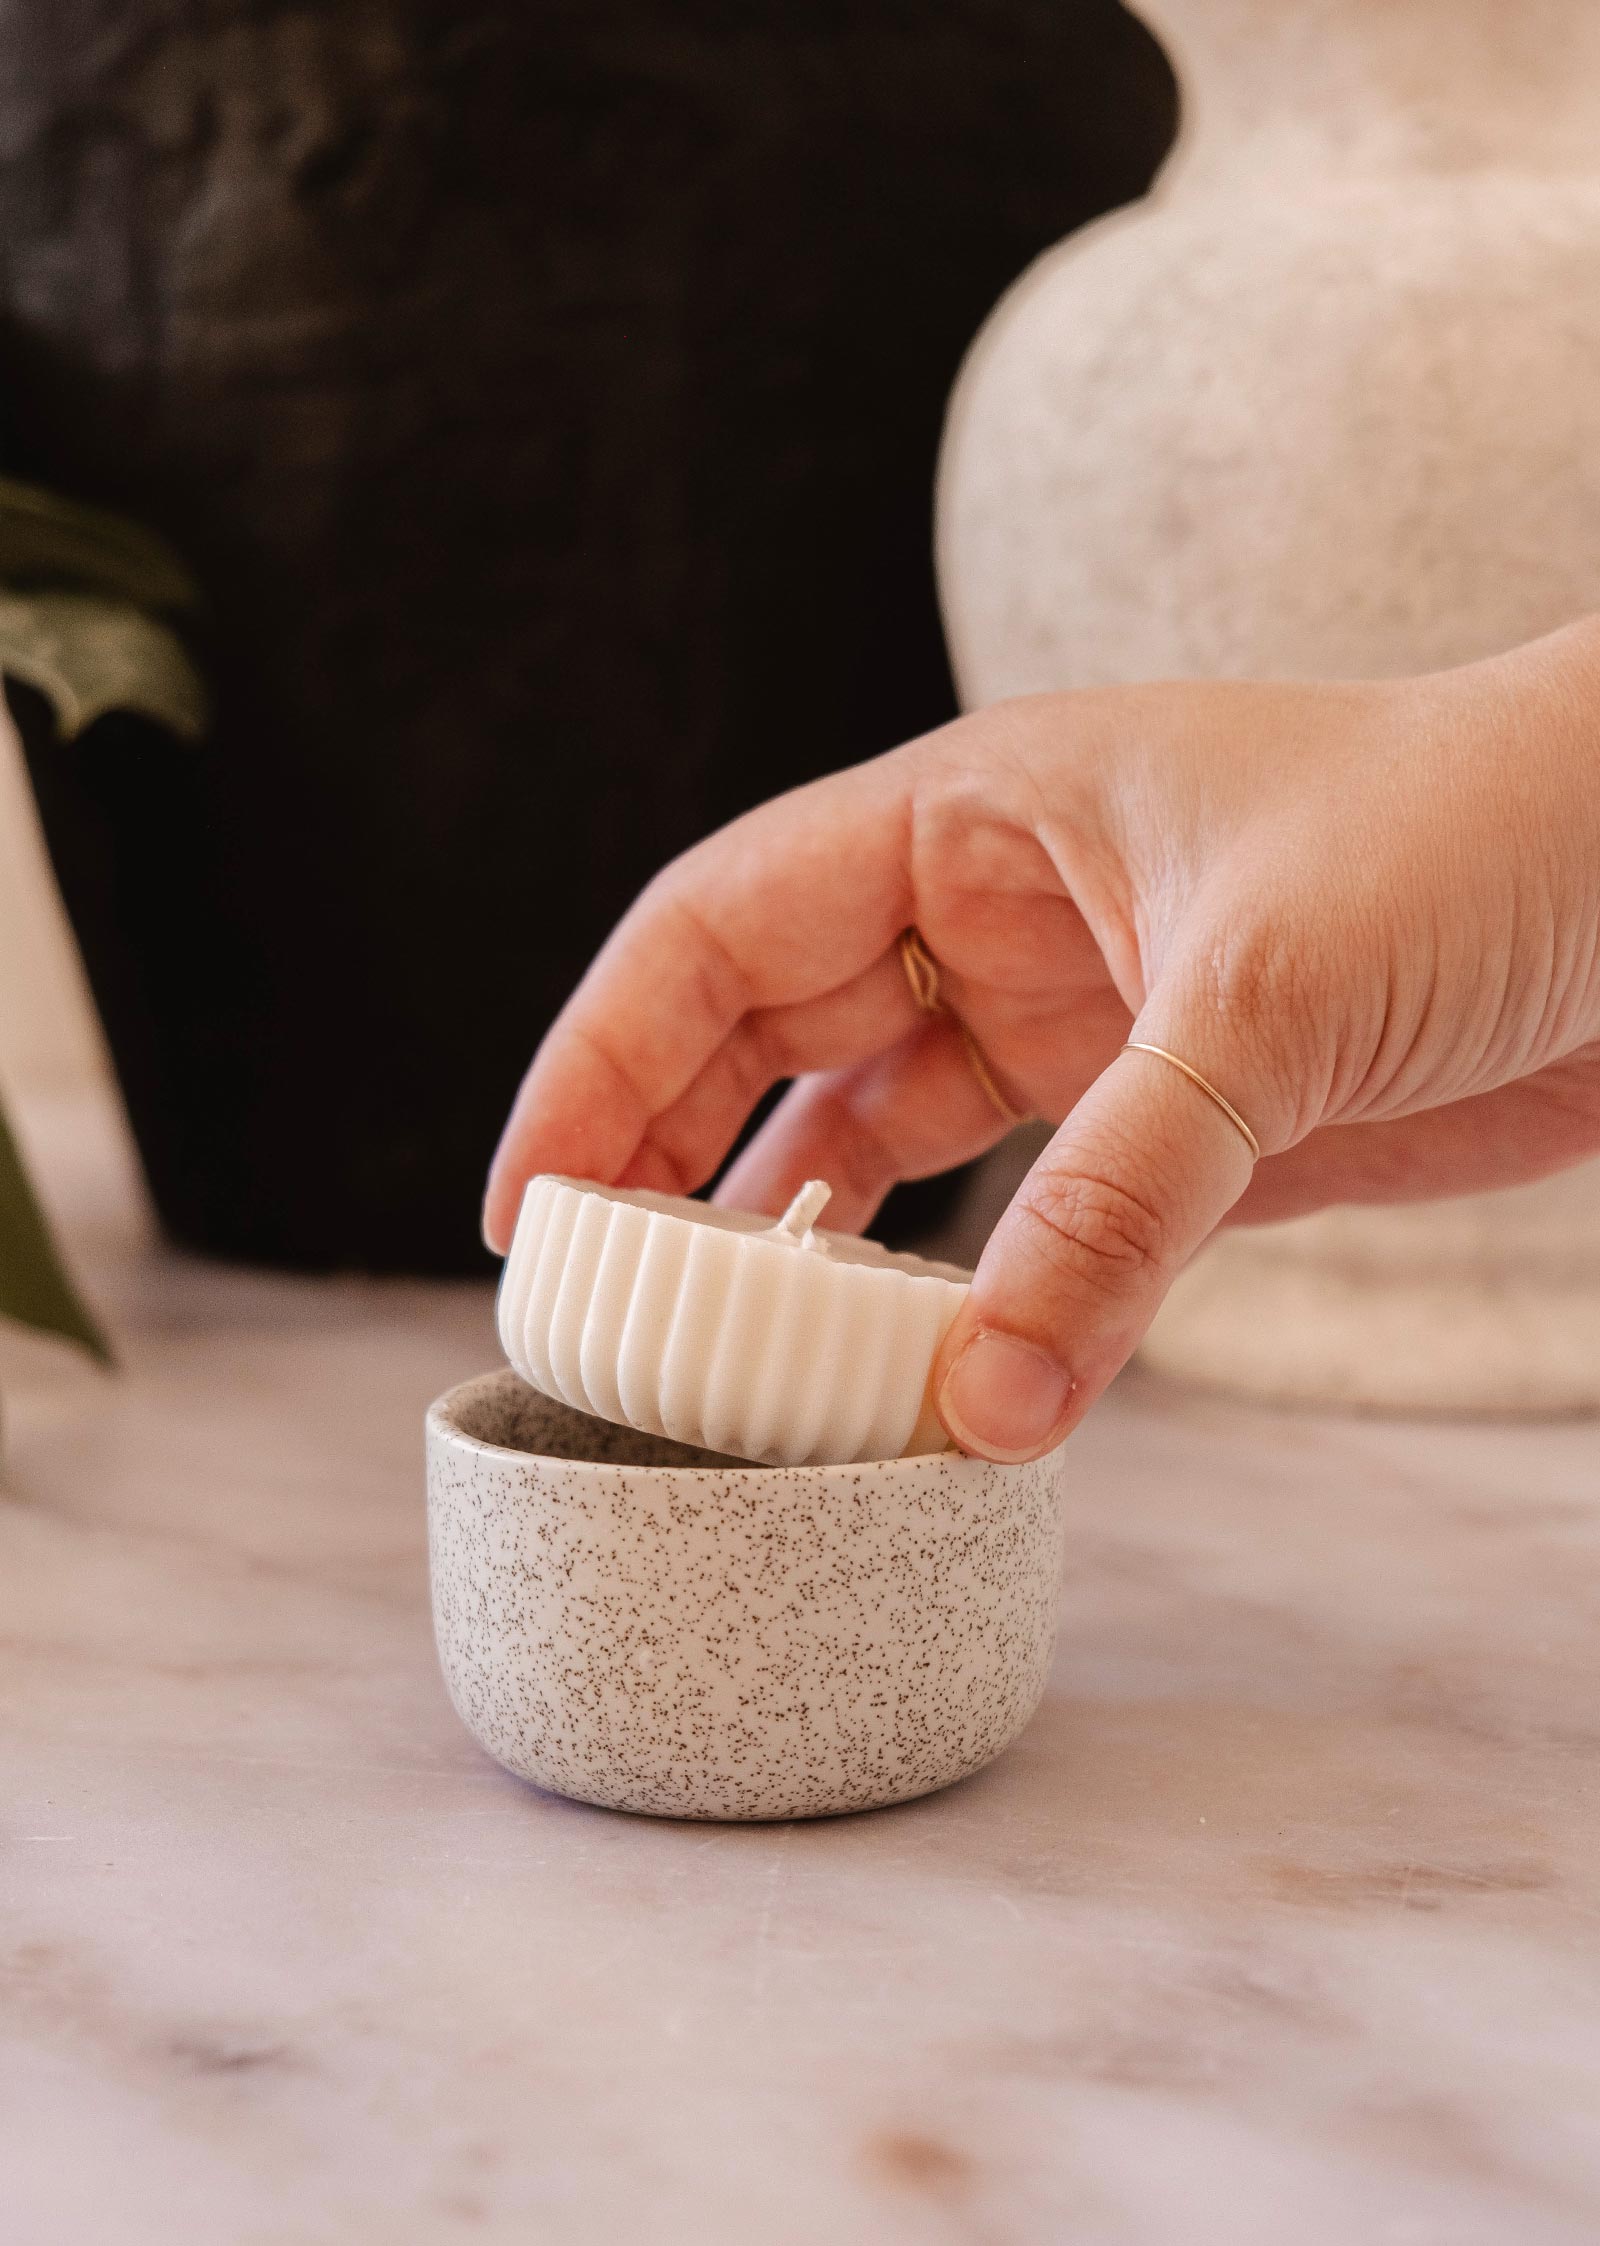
[(790, 1230)]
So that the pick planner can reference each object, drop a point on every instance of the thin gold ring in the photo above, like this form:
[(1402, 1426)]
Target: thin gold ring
[(922, 973), (1137, 1045)]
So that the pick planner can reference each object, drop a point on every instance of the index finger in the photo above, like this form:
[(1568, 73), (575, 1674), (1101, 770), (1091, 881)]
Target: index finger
[(783, 905)]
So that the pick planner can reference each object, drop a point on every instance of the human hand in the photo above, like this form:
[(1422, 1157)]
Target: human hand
[(1369, 914)]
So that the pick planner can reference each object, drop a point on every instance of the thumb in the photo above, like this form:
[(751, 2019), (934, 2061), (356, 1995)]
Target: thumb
[(1140, 1173)]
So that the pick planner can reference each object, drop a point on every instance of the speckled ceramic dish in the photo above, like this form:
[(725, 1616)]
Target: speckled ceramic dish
[(653, 1628)]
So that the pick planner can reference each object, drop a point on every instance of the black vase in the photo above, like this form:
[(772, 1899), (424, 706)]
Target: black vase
[(547, 398)]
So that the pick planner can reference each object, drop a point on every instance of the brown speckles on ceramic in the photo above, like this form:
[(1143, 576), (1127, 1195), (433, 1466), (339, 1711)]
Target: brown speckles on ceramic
[(652, 1628)]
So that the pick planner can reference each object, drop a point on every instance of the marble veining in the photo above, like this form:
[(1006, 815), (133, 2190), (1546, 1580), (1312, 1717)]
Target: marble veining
[(1280, 1921)]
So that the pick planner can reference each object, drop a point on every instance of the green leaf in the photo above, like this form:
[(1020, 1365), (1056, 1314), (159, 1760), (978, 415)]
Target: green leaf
[(88, 654), (46, 540), (34, 1286)]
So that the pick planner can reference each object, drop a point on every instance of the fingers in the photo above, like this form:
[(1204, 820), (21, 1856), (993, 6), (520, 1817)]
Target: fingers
[(1510, 1136), (1143, 1169), (908, 1113), (791, 902), (683, 1147)]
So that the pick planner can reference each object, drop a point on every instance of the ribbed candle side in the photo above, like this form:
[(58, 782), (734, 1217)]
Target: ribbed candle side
[(753, 1343)]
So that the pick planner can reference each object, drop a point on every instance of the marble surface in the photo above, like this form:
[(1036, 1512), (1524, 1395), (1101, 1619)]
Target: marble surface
[(1282, 1920)]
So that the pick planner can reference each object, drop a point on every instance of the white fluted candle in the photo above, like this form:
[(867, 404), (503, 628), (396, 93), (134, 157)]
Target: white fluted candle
[(768, 1341)]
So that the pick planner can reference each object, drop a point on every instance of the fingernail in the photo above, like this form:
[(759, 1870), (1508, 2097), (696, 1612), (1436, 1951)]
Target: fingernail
[(1005, 1399)]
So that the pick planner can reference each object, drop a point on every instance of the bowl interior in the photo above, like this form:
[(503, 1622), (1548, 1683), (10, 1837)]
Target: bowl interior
[(503, 1410)]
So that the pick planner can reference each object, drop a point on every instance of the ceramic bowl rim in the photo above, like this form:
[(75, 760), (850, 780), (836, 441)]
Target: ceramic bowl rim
[(443, 1424)]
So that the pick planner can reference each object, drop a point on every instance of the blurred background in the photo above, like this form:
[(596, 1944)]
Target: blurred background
[(451, 456), (545, 404)]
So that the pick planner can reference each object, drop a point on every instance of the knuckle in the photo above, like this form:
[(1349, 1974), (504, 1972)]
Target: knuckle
[(976, 770), (1264, 985), (1258, 978), (722, 987), (1101, 1235)]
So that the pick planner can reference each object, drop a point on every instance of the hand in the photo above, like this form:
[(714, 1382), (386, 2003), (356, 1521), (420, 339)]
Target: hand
[(1369, 914)]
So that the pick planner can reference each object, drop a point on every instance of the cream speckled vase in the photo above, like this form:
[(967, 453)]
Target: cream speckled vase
[(1326, 404), (633, 1623)]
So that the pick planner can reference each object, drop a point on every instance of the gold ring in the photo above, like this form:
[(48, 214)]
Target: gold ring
[(922, 973), (1136, 1045)]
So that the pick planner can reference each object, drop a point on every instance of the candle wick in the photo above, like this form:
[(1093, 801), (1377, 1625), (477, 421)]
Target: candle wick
[(804, 1210)]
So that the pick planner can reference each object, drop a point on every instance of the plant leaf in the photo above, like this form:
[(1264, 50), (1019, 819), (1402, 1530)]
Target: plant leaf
[(88, 654), (34, 1285), (47, 540)]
